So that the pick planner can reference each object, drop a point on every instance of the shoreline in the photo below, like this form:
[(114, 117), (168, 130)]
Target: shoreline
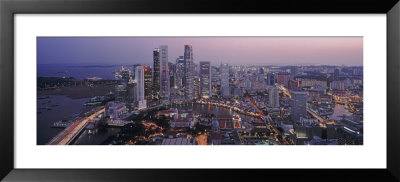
[(78, 92)]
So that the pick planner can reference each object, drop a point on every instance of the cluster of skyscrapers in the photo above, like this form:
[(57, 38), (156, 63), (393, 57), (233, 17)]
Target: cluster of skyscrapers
[(165, 81), (299, 99)]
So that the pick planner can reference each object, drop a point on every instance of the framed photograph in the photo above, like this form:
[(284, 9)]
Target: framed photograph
[(133, 90)]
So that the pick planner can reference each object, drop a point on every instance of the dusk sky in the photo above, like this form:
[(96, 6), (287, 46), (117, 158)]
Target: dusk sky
[(231, 50)]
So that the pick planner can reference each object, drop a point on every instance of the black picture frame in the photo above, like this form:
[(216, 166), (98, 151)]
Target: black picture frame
[(8, 8)]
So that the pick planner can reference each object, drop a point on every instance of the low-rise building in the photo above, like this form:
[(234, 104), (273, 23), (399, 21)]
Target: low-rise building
[(116, 110)]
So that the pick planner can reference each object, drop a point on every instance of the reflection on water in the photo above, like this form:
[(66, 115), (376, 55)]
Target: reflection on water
[(210, 109), (68, 107)]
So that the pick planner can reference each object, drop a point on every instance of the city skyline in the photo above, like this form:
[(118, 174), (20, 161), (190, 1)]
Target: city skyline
[(233, 50), (189, 103)]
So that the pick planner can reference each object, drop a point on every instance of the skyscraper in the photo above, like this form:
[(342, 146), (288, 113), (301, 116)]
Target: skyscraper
[(273, 101), (283, 79), (205, 79), (156, 74), (148, 79), (189, 69), (121, 92), (165, 85), (196, 81), (131, 94), (271, 78), (293, 84), (172, 74), (180, 72), (299, 105), (225, 90), (139, 78)]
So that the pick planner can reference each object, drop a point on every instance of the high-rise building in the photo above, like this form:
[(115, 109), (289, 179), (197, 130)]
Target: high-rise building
[(156, 74), (283, 79), (165, 85), (196, 81), (225, 90), (293, 84), (121, 92), (273, 101), (180, 72), (205, 79), (172, 74), (298, 105), (131, 94), (271, 78), (139, 78), (215, 74), (125, 74), (148, 79), (131, 91), (189, 72)]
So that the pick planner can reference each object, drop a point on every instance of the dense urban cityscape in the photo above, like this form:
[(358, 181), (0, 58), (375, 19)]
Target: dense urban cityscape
[(180, 101)]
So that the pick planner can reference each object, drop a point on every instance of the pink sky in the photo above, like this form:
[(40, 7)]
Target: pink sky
[(232, 50)]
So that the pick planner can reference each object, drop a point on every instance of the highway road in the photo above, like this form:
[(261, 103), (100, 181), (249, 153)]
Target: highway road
[(69, 133), (322, 120)]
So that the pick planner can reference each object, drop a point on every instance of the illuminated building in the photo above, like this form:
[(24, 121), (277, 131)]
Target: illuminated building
[(189, 71), (115, 110), (165, 82), (293, 84), (121, 92), (148, 79), (205, 79), (312, 83), (131, 92), (283, 78), (225, 90), (172, 75), (156, 74), (196, 81), (139, 78), (179, 72), (273, 101), (298, 107), (338, 85), (125, 74), (271, 78)]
